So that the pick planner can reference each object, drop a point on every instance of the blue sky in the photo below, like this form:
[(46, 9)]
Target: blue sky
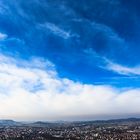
[(84, 43)]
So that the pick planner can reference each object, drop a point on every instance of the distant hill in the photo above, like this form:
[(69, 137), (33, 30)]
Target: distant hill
[(52, 124), (109, 121), (8, 123)]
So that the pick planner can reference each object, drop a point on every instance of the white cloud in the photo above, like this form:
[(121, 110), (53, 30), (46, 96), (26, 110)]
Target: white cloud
[(57, 30), (130, 71), (3, 8), (2, 36), (108, 31), (34, 91)]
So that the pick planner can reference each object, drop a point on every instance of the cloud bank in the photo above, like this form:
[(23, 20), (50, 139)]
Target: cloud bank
[(33, 90)]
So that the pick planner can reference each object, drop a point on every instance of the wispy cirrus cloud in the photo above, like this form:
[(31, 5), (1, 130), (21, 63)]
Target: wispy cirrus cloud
[(120, 69), (3, 36), (56, 30), (33, 90)]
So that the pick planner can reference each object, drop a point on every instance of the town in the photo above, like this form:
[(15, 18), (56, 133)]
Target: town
[(112, 130)]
